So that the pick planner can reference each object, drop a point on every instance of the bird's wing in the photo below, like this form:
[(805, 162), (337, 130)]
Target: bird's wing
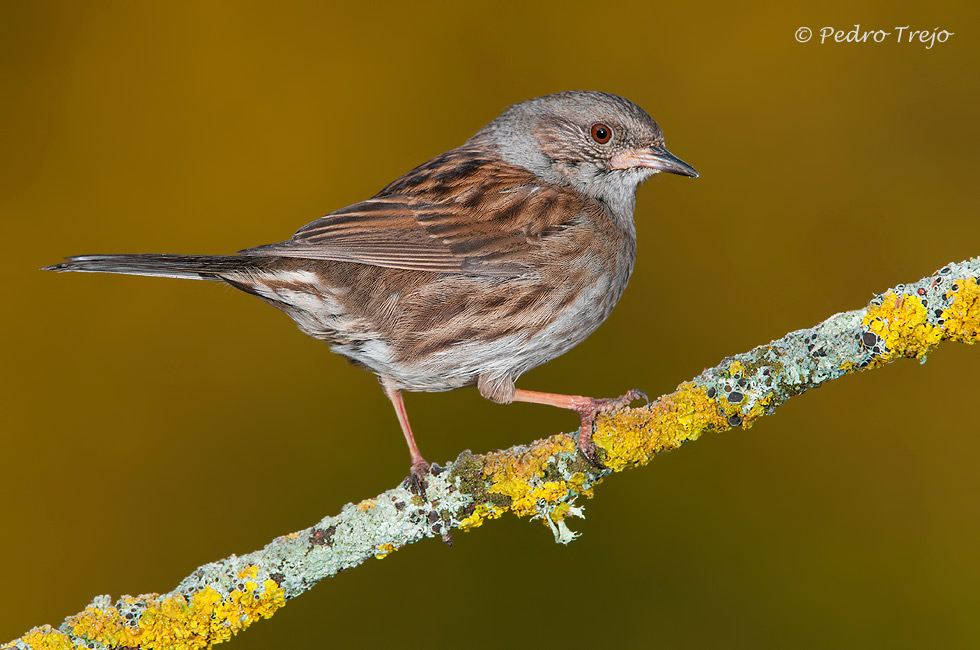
[(454, 214)]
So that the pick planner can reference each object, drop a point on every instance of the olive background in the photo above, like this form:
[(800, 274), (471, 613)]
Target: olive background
[(150, 425)]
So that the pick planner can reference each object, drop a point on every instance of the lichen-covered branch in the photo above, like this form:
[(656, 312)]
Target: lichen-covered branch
[(544, 480)]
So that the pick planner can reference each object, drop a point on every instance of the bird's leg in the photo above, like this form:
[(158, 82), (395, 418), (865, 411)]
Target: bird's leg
[(587, 407), (420, 467)]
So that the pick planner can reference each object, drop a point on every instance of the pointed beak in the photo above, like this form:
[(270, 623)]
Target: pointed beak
[(653, 158)]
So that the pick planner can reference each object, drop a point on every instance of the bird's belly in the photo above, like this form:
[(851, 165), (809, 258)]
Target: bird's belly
[(569, 327), (508, 345), (447, 333)]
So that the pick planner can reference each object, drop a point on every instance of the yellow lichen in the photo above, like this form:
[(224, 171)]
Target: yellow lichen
[(45, 638), (634, 437), (249, 572), (902, 325), (480, 514), (366, 505), (173, 622), (520, 491), (515, 476), (963, 315), (736, 369), (384, 551), (901, 322), (520, 478), (577, 480)]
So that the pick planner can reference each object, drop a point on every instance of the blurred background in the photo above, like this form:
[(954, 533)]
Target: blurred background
[(137, 413)]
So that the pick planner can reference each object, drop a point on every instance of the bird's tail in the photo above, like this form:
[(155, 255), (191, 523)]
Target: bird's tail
[(191, 267)]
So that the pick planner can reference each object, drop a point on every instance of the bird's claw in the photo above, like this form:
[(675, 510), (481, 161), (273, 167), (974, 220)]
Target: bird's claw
[(417, 476), (613, 403), (590, 410)]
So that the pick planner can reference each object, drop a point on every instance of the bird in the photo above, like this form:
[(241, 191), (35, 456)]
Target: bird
[(478, 265)]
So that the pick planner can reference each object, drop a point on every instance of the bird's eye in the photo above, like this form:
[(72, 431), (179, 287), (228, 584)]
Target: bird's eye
[(601, 133)]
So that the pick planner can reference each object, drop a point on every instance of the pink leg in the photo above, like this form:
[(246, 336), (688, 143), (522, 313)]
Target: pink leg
[(587, 407), (420, 467)]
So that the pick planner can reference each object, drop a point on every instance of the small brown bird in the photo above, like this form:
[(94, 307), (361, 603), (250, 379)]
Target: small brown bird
[(472, 268)]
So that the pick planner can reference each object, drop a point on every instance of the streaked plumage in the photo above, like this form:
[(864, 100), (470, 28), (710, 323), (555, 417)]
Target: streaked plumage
[(474, 267)]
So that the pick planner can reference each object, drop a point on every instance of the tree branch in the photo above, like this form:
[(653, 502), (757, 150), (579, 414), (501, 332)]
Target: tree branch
[(543, 480)]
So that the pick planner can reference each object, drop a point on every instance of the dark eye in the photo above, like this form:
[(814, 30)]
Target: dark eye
[(601, 133)]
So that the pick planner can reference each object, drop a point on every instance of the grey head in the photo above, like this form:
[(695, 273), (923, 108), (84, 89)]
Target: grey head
[(597, 143)]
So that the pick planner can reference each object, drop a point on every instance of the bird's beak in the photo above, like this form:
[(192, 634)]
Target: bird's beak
[(653, 158)]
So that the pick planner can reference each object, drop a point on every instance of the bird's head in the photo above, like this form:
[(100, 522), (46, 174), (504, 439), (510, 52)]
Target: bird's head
[(599, 144)]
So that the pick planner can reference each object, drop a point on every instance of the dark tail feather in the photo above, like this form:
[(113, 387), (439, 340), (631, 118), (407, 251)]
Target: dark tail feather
[(191, 267)]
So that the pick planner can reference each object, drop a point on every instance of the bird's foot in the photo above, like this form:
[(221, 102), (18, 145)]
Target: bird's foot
[(417, 482), (417, 476), (613, 403), (589, 409)]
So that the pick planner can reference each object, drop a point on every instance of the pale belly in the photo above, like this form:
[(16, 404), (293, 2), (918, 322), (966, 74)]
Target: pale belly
[(461, 363)]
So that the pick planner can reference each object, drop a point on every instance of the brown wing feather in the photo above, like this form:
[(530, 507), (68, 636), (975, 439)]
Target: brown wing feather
[(459, 212)]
